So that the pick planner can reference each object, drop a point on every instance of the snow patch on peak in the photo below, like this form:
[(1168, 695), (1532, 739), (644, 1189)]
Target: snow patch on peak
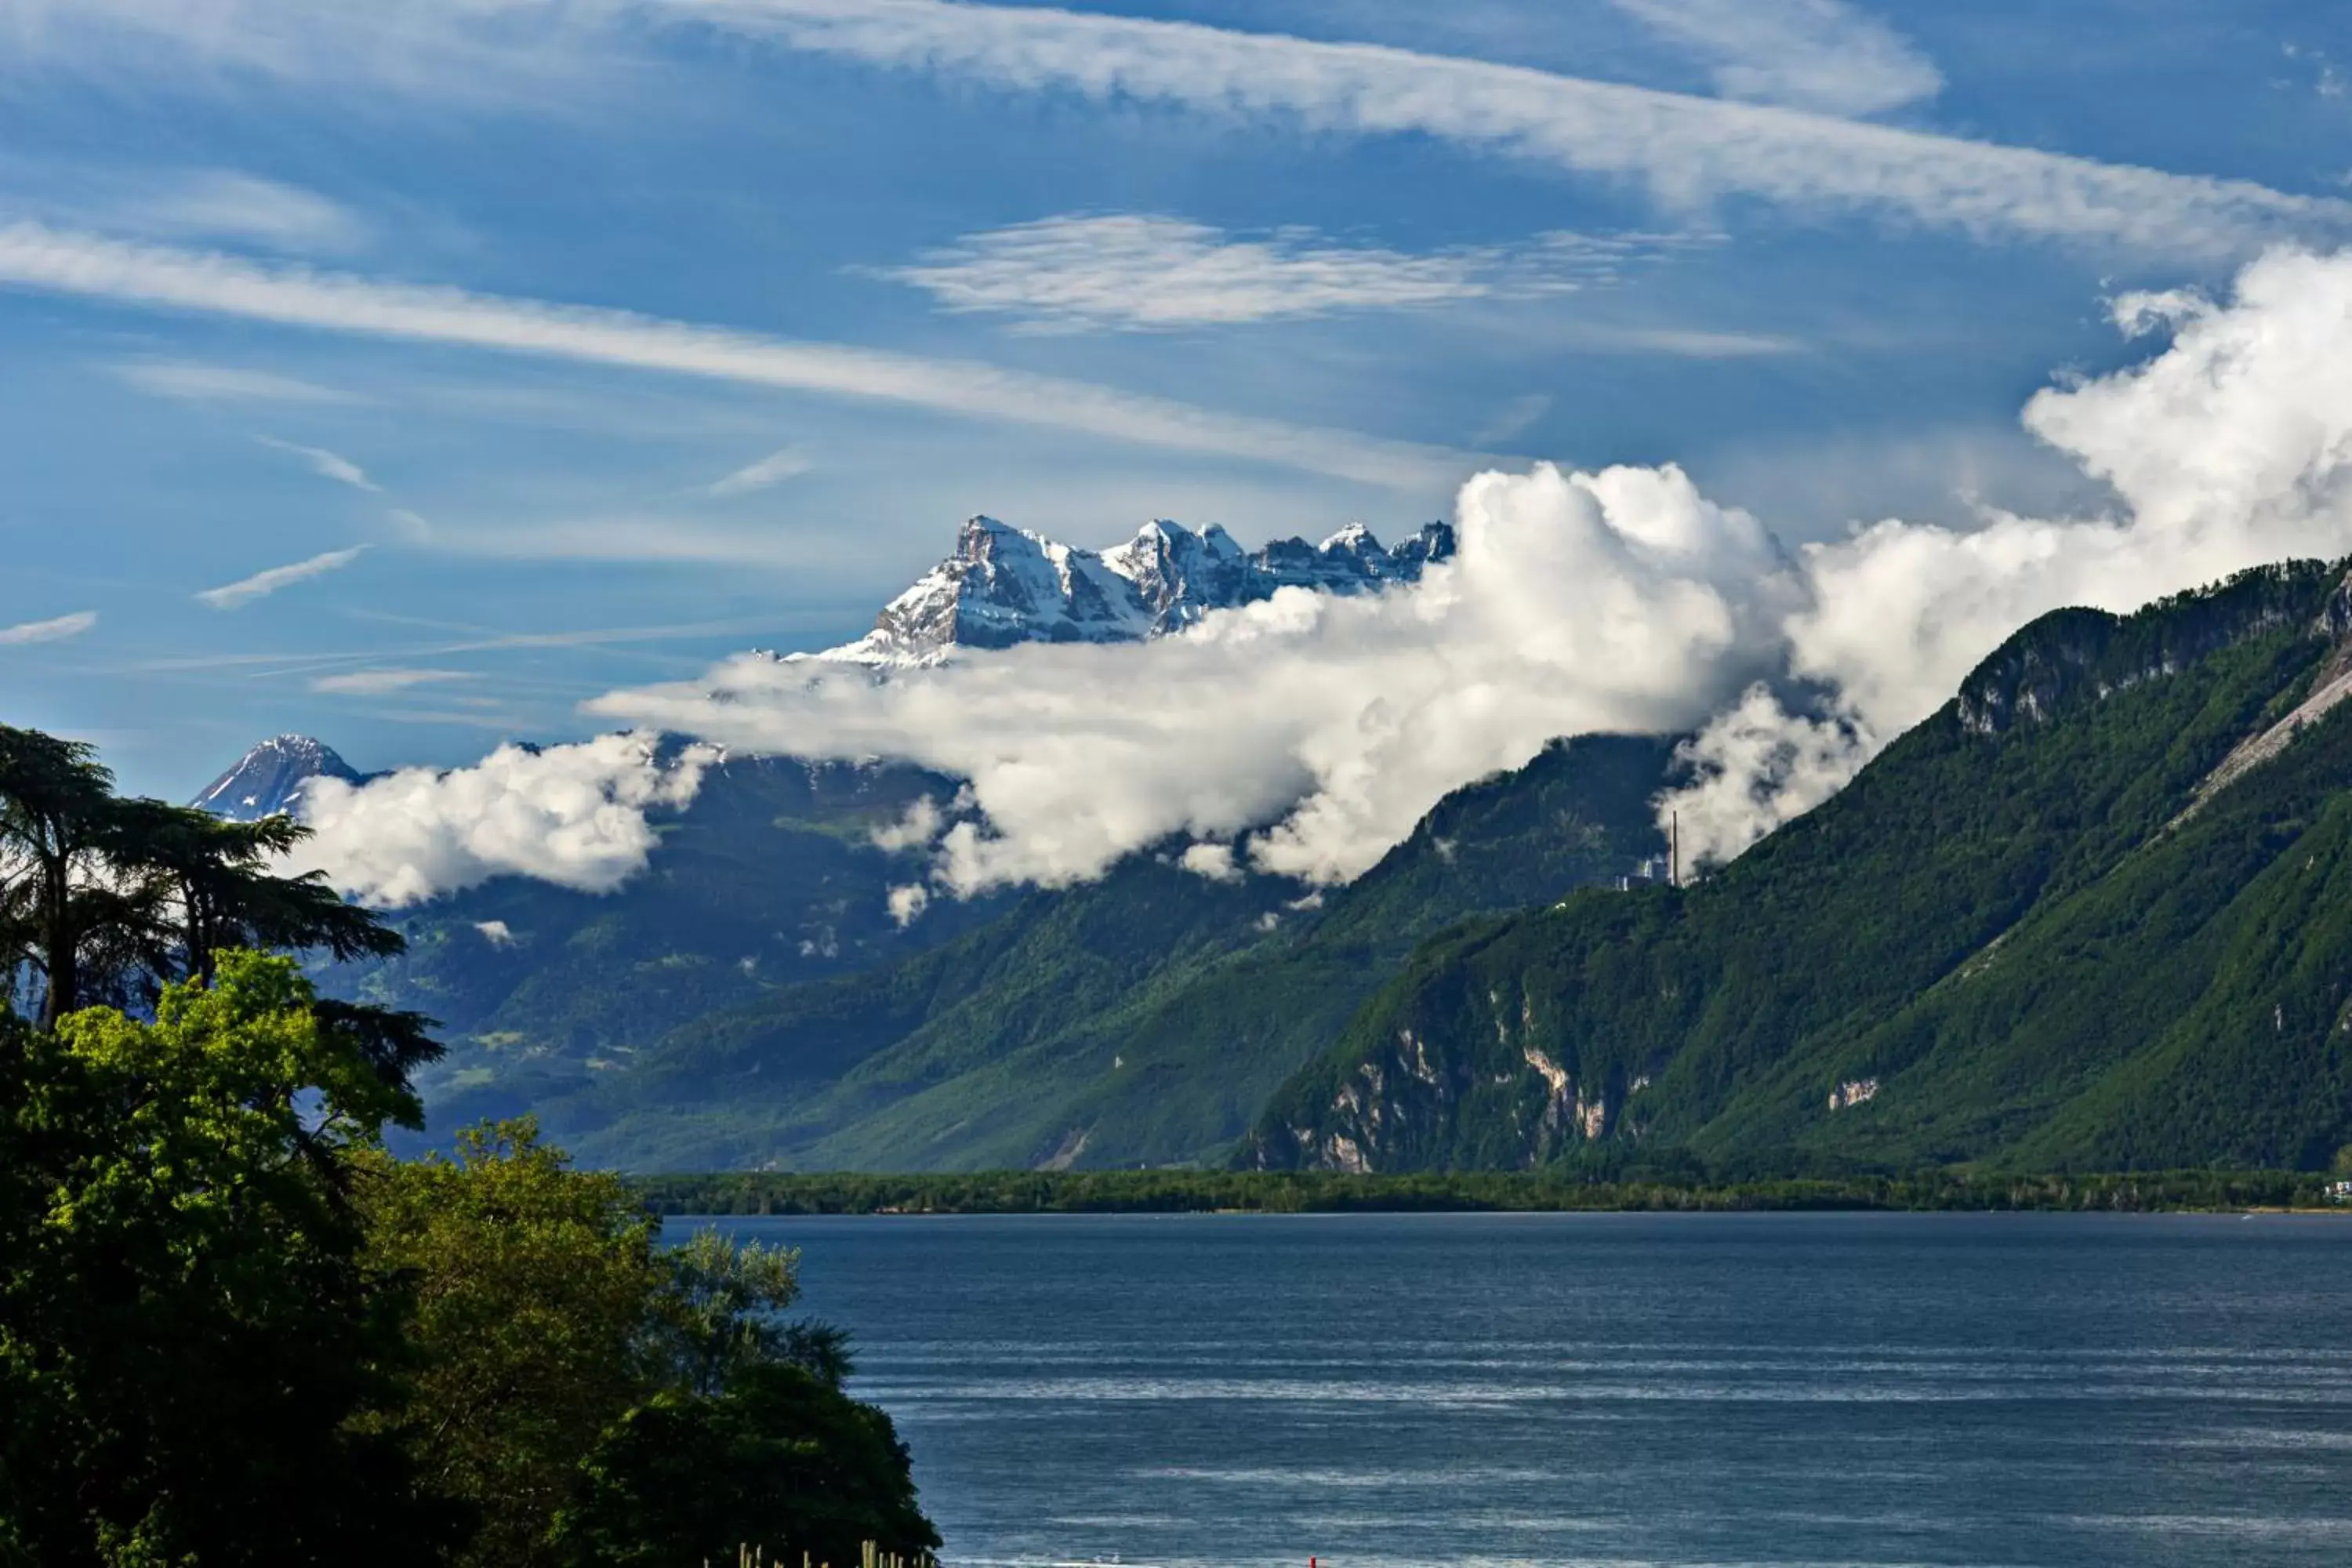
[(269, 780), (1005, 586)]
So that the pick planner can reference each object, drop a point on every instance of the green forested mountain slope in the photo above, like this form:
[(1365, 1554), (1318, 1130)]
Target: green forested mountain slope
[(2027, 935), (769, 878), (1144, 1019)]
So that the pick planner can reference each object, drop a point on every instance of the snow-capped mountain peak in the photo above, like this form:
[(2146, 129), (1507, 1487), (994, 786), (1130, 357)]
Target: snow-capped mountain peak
[(1005, 586), (268, 780)]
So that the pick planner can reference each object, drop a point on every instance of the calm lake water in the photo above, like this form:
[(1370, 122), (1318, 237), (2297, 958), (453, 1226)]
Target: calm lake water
[(1872, 1390)]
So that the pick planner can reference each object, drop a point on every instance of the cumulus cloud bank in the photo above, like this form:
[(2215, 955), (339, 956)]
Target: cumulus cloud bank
[(1306, 734), (1578, 602), (1311, 733), (574, 815), (2232, 447)]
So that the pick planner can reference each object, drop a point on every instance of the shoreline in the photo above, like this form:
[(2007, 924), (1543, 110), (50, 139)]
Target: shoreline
[(742, 1194)]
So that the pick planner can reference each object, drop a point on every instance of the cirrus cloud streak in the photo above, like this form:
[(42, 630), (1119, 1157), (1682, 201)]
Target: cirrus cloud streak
[(1144, 272), (1687, 151), (26, 633), (160, 277), (261, 584)]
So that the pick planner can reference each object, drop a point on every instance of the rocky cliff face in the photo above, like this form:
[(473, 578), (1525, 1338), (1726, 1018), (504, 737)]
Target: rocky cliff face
[(2082, 655), (1005, 586)]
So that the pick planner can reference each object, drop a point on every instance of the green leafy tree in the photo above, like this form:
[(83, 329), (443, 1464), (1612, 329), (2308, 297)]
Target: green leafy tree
[(721, 1310), (533, 1287), (61, 915), (751, 1441), (780, 1461), (572, 1369), (104, 900), (211, 879), (194, 1355)]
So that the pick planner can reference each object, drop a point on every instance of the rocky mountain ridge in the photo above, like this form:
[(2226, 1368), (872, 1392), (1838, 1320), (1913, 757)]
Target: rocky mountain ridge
[(269, 779), (2094, 914), (1005, 586)]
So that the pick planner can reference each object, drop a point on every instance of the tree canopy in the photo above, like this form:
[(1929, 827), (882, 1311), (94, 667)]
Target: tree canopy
[(105, 899), (235, 1333)]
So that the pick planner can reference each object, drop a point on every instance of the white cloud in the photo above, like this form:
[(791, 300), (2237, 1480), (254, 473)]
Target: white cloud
[(219, 204), (381, 682), (498, 933), (1514, 419), (1314, 732), (1213, 861), (1808, 54), (57, 630), (499, 51), (1581, 601), (192, 383), (908, 903), (773, 470), (654, 539), (33, 256), (916, 830), (225, 204), (2231, 448), (1681, 343), (1306, 734), (573, 815), (1757, 766), (1140, 272), (261, 584), (1686, 150), (326, 465)]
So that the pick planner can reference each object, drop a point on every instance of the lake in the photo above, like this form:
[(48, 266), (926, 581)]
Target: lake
[(2046, 1389)]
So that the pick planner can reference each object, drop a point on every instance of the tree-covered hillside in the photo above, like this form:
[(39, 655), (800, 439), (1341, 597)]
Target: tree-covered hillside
[(2047, 929), (1142, 1019), (771, 877)]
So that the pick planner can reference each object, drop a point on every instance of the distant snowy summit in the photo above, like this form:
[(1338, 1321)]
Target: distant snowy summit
[(271, 778), (1005, 586)]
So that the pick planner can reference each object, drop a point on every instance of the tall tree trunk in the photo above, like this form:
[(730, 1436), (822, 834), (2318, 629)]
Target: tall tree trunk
[(61, 953)]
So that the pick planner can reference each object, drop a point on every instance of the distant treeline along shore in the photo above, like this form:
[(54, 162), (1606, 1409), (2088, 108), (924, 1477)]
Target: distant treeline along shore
[(1322, 1192)]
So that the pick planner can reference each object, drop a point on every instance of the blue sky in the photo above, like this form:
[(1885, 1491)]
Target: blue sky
[(323, 311)]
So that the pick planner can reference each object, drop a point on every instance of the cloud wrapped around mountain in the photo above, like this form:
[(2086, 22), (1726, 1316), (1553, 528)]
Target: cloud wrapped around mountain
[(1316, 731), (1617, 600), (573, 815), (1306, 734), (2231, 448)]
